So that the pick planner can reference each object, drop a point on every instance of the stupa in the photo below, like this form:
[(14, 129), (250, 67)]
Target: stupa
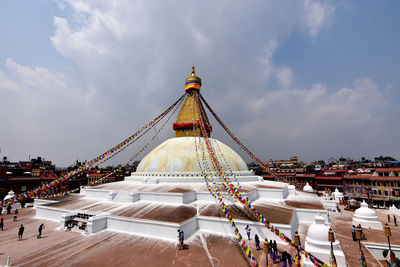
[(308, 188), (317, 242), (11, 195), (338, 195), (366, 217), (168, 191)]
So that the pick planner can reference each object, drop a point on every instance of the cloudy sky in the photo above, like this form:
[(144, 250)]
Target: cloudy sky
[(317, 79)]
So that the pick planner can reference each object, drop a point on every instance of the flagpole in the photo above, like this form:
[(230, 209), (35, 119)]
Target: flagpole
[(388, 234)]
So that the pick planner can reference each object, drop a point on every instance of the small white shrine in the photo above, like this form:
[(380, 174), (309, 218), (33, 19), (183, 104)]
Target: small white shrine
[(338, 195), (317, 243), (366, 217), (14, 206), (329, 202), (308, 188)]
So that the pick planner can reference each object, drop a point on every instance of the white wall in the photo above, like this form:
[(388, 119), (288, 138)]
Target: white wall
[(97, 223), (307, 215), (155, 229), (49, 213), (222, 226), (271, 193), (377, 249), (97, 193)]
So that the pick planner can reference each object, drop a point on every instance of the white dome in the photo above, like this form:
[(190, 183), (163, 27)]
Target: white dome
[(179, 155), (318, 232), (308, 188), (365, 213), (11, 194), (317, 243)]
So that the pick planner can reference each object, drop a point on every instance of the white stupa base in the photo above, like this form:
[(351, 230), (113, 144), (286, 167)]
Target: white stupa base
[(368, 223), (323, 253), (329, 205)]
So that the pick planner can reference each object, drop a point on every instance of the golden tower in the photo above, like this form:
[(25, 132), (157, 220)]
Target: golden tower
[(188, 121)]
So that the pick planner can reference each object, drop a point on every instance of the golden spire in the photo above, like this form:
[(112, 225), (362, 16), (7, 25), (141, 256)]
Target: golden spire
[(188, 120), (193, 81)]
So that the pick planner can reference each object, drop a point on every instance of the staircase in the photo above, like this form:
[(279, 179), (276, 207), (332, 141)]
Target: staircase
[(78, 222), (122, 196)]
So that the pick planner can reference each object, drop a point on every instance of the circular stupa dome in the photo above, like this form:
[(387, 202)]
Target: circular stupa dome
[(365, 213), (317, 234), (179, 155), (308, 188)]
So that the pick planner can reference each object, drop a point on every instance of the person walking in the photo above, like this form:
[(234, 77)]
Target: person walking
[(362, 233), (41, 227), (266, 251), (388, 216), (1, 223), (289, 259), (353, 232), (395, 220), (20, 232), (284, 259), (181, 238), (271, 251), (15, 214), (248, 229), (257, 241), (275, 251)]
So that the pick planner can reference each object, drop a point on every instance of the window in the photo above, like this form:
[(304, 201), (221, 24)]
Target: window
[(386, 193), (380, 192), (392, 184)]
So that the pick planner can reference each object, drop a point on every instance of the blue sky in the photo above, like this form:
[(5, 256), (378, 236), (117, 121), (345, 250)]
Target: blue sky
[(310, 78)]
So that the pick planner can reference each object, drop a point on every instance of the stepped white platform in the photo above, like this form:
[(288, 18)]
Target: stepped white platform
[(158, 210)]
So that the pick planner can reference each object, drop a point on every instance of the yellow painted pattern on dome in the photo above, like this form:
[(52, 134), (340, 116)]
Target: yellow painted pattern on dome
[(179, 155)]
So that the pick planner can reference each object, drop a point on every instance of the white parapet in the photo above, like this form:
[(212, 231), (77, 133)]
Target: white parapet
[(97, 193), (221, 225), (96, 223), (157, 229), (176, 198), (50, 213)]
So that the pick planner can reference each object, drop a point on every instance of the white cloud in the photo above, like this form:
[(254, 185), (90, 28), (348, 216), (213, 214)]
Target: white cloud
[(39, 78), (316, 15), (284, 76)]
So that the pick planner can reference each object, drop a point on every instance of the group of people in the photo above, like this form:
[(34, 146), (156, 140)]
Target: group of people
[(271, 249), (353, 233), (22, 229), (394, 219)]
